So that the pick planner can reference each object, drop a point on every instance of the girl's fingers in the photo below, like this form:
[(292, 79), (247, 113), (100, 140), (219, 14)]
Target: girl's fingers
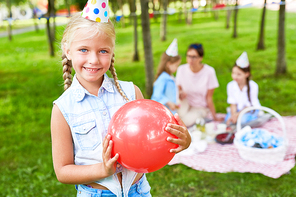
[(109, 161), (180, 131), (177, 150), (106, 142), (114, 159), (109, 149), (175, 141), (177, 130), (180, 122)]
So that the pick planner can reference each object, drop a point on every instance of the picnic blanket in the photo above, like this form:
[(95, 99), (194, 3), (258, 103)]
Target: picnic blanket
[(225, 158)]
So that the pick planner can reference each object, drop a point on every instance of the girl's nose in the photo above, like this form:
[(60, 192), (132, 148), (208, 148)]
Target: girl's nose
[(93, 58)]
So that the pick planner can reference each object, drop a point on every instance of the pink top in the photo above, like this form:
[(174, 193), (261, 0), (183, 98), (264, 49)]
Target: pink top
[(196, 85)]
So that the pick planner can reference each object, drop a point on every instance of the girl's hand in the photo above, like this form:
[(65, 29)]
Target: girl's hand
[(233, 118), (109, 163), (182, 94), (179, 130), (220, 119), (228, 121), (172, 106)]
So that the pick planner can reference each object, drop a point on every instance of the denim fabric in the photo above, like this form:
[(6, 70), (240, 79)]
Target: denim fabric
[(88, 117), (140, 189), (165, 89)]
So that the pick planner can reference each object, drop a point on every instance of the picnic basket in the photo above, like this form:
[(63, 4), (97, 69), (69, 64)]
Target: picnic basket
[(260, 155)]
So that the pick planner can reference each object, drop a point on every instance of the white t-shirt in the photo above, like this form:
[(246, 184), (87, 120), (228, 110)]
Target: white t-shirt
[(240, 97), (196, 85)]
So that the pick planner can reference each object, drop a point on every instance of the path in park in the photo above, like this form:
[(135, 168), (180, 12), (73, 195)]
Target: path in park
[(26, 29), (271, 4)]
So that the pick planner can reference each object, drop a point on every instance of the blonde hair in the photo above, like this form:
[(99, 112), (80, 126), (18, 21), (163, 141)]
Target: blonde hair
[(162, 67), (94, 29)]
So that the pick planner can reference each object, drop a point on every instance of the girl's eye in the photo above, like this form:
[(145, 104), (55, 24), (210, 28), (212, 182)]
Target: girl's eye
[(83, 50), (103, 51)]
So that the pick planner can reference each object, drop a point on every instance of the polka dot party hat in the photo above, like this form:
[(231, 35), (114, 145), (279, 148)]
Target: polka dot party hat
[(96, 10), (243, 60), (172, 49)]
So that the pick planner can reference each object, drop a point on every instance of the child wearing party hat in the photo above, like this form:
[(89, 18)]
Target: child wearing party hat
[(81, 147), (241, 92), (165, 89)]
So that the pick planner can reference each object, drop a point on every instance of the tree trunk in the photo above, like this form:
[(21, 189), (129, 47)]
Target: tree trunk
[(163, 21), (147, 47), (136, 51), (34, 16), (154, 10), (216, 12), (261, 45), (50, 41), (122, 17), (50, 32), (281, 65), (68, 7), (228, 14), (52, 14), (228, 18), (53, 30), (185, 11), (9, 29), (190, 14), (130, 5), (235, 20)]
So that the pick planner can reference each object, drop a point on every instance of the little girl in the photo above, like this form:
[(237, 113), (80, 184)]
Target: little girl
[(81, 148), (164, 87), (241, 92)]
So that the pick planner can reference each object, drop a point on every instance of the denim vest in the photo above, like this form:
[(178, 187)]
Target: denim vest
[(88, 117)]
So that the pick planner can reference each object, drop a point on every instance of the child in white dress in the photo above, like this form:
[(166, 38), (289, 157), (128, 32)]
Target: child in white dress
[(241, 92)]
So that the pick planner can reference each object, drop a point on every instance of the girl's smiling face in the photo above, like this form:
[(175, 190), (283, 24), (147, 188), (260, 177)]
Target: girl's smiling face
[(172, 67), (239, 76), (91, 57)]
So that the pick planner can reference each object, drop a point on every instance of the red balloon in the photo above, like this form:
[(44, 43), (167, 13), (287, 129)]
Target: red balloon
[(139, 136)]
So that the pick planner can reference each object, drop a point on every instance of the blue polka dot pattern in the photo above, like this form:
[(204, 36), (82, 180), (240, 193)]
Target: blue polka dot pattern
[(96, 11)]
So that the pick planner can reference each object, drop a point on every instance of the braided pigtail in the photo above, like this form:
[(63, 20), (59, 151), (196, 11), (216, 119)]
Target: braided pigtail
[(67, 70), (248, 86), (113, 72)]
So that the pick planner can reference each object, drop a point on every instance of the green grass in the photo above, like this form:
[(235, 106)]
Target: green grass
[(30, 80)]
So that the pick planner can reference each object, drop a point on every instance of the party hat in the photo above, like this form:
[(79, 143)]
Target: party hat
[(172, 49), (96, 10), (243, 61)]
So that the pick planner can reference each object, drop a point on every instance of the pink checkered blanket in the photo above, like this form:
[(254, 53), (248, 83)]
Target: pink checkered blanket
[(225, 158)]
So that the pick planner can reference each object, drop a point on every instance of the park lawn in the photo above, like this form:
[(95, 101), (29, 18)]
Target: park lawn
[(30, 80)]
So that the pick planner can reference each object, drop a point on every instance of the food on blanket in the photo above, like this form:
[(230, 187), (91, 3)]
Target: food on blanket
[(225, 138), (200, 124), (138, 132)]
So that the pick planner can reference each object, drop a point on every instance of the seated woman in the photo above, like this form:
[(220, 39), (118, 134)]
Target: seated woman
[(196, 82)]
